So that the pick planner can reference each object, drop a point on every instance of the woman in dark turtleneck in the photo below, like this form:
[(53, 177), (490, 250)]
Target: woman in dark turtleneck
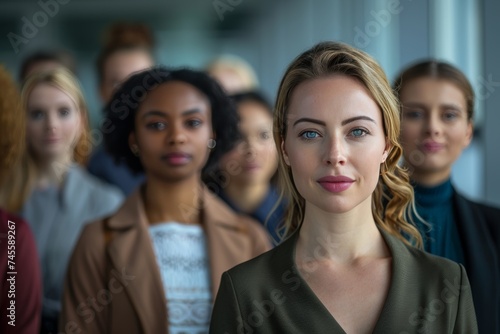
[(437, 104)]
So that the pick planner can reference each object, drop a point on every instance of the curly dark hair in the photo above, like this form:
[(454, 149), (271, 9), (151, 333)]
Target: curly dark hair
[(121, 111)]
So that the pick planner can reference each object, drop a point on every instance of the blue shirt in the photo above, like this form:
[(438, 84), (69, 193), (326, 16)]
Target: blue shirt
[(262, 212), (56, 217), (102, 165), (435, 206)]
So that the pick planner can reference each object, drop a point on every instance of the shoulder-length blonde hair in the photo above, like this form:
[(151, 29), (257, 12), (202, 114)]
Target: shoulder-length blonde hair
[(393, 198), (21, 181)]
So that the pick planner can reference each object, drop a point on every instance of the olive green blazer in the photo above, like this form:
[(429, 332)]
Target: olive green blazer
[(428, 294)]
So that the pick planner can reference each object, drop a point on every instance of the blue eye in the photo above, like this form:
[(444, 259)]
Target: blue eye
[(265, 135), (64, 112), (412, 114), (36, 114), (308, 135), (358, 133)]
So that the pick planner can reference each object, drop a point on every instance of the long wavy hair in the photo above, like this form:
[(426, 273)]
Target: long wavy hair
[(393, 198), (12, 128), (21, 181)]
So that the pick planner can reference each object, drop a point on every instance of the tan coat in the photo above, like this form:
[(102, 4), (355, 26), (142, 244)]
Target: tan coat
[(113, 284)]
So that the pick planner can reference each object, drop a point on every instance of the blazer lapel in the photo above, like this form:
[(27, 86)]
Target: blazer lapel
[(227, 239), (131, 253)]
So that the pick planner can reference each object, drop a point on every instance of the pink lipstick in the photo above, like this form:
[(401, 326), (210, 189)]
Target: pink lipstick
[(431, 146), (335, 184)]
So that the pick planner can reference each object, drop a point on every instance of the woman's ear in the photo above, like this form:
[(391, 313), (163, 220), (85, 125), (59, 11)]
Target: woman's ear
[(469, 133), (387, 150), (285, 155)]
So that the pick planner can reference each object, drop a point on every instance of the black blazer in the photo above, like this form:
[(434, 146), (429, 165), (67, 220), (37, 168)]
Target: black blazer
[(428, 294), (479, 229)]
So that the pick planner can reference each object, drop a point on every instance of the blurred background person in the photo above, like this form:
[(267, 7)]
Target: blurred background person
[(234, 73), (128, 48), (44, 61), (437, 108), (249, 168), (172, 238), (17, 244), (61, 195)]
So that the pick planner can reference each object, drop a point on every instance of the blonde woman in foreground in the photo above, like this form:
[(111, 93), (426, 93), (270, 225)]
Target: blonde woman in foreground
[(346, 266)]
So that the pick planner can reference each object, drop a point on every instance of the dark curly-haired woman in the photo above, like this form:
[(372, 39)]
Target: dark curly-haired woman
[(155, 265)]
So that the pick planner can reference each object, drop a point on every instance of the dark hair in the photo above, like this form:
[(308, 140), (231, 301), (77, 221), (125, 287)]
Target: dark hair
[(252, 96), (124, 37), (438, 70), (60, 57), (122, 109)]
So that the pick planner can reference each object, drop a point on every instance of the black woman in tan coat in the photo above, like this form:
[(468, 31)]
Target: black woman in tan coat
[(155, 265)]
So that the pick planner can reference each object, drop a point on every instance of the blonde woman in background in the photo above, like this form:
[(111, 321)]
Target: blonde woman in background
[(233, 73), (345, 267), (61, 195)]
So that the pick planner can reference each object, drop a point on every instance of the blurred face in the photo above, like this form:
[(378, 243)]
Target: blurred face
[(172, 130), (254, 159), (54, 123), (434, 129), (119, 66), (335, 143)]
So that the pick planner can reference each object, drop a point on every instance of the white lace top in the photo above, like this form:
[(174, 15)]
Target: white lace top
[(182, 256)]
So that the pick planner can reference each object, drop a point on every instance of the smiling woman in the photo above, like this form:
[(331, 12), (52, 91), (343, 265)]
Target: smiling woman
[(336, 128), (437, 125), (172, 236)]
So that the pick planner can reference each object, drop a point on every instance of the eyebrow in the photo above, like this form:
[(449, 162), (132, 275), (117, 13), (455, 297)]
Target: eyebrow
[(424, 106), (344, 122), (163, 114), (358, 118), (413, 105)]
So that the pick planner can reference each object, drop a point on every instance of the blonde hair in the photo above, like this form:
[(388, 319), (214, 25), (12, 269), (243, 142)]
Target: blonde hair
[(21, 181), (393, 188), (238, 66)]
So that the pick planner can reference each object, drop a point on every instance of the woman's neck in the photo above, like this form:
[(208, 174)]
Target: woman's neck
[(431, 178), (172, 201), (342, 238), (247, 197), (51, 172)]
